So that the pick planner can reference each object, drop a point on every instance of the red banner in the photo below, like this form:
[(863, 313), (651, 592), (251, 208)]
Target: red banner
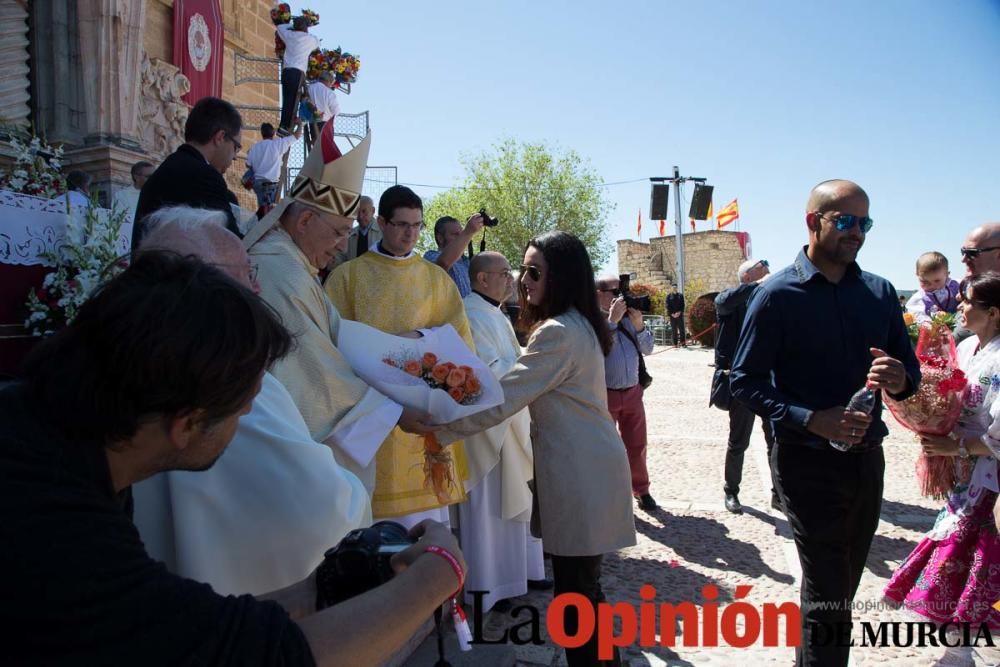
[(198, 46)]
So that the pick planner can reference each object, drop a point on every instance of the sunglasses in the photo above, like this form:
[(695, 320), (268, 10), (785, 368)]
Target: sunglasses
[(972, 253), (764, 263), (532, 272), (845, 222)]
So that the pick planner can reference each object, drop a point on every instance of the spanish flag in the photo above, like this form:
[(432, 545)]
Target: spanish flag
[(729, 214), (638, 227), (663, 228)]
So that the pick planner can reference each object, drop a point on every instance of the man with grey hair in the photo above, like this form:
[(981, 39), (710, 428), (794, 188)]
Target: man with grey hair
[(208, 525), (630, 341), (363, 235), (730, 309)]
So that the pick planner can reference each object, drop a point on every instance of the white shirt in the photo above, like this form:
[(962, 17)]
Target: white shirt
[(324, 99), (298, 46), (262, 516), (265, 157), (77, 198), (127, 200)]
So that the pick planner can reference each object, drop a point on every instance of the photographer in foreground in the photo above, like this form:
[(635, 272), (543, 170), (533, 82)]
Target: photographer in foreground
[(629, 341), (153, 375)]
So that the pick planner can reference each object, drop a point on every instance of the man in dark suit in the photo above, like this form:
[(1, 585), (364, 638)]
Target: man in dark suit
[(192, 174), (675, 309)]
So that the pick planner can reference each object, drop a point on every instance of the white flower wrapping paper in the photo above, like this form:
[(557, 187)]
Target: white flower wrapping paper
[(366, 347)]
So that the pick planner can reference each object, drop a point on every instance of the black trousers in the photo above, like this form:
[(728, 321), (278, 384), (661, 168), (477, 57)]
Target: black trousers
[(291, 86), (832, 500), (740, 430), (581, 574), (677, 329)]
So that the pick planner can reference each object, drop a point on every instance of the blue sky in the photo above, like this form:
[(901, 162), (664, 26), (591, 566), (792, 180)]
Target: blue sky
[(763, 98)]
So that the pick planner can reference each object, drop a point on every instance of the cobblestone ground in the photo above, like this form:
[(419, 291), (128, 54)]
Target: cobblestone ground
[(693, 541)]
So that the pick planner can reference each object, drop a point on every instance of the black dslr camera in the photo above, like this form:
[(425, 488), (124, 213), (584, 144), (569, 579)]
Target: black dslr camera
[(487, 220), (640, 303), (360, 562)]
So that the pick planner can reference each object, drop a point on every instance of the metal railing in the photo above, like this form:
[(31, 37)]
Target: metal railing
[(259, 69)]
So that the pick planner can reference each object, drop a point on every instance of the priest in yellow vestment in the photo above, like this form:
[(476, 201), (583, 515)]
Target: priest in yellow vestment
[(397, 291)]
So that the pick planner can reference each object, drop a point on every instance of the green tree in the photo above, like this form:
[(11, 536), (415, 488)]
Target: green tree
[(531, 189)]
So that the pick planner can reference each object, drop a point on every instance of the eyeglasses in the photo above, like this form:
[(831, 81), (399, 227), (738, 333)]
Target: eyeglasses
[(415, 226), (236, 144), (844, 222), (532, 272), (972, 253)]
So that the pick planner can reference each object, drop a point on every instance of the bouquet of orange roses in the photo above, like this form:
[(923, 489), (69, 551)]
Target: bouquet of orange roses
[(437, 374)]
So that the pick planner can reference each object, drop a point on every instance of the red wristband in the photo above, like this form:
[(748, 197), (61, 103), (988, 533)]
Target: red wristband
[(450, 557)]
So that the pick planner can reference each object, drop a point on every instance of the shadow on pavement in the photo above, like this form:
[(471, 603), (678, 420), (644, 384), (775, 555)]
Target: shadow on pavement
[(892, 549), (706, 541), (909, 516)]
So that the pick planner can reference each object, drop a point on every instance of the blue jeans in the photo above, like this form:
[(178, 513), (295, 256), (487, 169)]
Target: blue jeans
[(266, 191)]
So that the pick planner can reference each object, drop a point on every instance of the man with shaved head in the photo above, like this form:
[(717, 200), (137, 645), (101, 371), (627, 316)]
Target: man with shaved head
[(815, 333), (980, 253), (208, 525), (504, 559)]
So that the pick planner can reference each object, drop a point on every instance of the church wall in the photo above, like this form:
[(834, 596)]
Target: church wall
[(711, 258)]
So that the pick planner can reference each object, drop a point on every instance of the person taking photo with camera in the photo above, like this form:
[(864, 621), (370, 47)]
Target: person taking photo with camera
[(85, 423), (630, 341), (452, 240)]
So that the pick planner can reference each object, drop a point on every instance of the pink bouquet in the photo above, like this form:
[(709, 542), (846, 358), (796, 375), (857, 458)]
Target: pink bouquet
[(935, 408)]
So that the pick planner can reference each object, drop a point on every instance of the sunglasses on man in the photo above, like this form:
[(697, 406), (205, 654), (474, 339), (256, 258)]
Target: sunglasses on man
[(845, 222), (972, 253)]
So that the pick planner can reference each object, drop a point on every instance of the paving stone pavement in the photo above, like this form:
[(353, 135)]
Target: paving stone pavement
[(692, 541)]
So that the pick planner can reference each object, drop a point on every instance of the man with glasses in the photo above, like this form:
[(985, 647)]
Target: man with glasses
[(980, 253), (730, 310), (452, 240), (815, 333), (392, 288), (631, 339), (192, 175)]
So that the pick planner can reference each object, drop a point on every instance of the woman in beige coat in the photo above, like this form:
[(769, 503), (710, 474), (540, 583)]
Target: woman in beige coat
[(582, 501)]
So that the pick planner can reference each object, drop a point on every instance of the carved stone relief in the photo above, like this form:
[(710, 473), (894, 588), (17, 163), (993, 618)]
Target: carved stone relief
[(162, 113)]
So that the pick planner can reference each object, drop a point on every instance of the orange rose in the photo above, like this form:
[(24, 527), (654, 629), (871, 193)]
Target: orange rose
[(908, 319), (456, 378), (430, 360), (457, 394), (412, 367), (450, 365), (440, 373), (472, 385), (467, 370)]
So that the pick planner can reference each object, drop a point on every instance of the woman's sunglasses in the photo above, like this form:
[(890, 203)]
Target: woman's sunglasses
[(532, 272)]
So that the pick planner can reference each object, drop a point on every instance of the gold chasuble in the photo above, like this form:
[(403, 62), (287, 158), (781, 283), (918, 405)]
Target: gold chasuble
[(395, 296)]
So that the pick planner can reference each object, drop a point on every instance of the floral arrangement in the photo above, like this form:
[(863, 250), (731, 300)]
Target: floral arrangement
[(87, 259), (936, 406), (344, 66), (281, 14), (913, 326), (462, 385), (36, 170), (460, 382)]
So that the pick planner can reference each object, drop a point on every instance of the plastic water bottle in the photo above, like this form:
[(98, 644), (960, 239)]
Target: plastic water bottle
[(862, 401)]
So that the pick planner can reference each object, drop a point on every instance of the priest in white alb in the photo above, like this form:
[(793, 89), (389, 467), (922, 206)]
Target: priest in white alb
[(289, 246), (263, 515), (502, 555)]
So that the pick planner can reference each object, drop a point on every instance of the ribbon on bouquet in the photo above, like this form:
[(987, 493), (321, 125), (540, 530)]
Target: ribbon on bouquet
[(438, 477)]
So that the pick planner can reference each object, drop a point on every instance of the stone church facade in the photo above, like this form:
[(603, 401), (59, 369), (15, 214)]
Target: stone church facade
[(97, 77)]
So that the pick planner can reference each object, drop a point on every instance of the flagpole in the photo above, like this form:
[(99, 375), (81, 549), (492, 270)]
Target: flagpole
[(679, 230)]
